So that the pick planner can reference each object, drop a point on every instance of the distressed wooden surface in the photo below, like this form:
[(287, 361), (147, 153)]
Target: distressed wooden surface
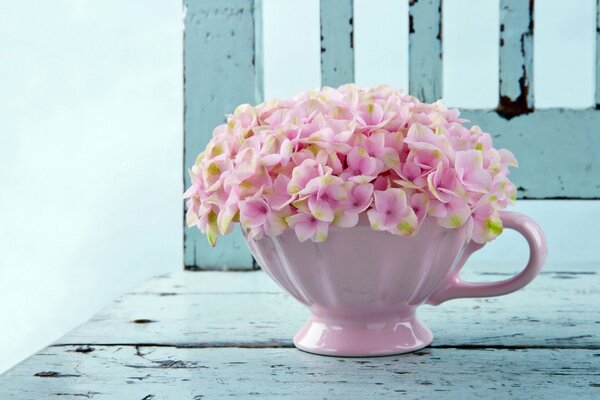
[(516, 57), (425, 49), (211, 309), (194, 335), (337, 42), (220, 72), (128, 372), (555, 149)]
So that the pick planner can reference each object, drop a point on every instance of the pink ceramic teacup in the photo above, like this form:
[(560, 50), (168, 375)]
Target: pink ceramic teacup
[(363, 286)]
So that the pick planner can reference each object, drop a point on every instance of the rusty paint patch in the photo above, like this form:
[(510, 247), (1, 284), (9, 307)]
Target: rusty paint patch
[(509, 108)]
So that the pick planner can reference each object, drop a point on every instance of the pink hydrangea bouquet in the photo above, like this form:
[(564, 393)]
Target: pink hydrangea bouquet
[(327, 157)]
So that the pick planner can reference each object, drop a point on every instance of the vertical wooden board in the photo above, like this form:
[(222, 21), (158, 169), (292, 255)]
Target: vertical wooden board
[(259, 55), (555, 149), (219, 73), (337, 42), (597, 97), (425, 49), (516, 57)]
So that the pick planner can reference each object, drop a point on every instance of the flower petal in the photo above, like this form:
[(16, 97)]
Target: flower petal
[(321, 232), (345, 219), (320, 209)]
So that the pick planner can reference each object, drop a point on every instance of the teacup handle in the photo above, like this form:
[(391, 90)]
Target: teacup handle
[(453, 287)]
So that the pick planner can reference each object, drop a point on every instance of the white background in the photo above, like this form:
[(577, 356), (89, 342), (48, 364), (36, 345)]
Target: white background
[(91, 135)]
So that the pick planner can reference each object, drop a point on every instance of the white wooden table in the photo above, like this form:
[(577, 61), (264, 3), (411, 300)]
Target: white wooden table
[(196, 335)]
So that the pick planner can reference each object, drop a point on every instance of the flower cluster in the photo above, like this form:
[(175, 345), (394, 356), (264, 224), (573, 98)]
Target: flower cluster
[(325, 157)]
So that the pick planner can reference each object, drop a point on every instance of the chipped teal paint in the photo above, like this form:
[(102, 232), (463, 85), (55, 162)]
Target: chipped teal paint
[(337, 43), (555, 149), (219, 73), (597, 53), (516, 57), (425, 49), (552, 145)]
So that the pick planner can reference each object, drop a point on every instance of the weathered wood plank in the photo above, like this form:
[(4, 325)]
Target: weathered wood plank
[(555, 149), (127, 372), (425, 49), (204, 309), (337, 42), (220, 72), (516, 57)]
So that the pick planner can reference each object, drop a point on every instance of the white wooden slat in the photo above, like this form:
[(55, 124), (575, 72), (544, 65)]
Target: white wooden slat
[(337, 42), (259, 54), (127, 372), (597, 53), (516, 57), (220, 72), (229, 309), (425, 49)]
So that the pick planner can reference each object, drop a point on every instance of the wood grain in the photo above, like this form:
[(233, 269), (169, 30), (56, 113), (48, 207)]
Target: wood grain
[(195, 335), (128, 372)]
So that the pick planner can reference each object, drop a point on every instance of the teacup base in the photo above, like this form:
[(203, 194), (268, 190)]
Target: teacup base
[(355, 338)]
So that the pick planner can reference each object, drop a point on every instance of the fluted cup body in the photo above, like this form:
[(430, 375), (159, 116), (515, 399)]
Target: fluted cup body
[(362, 286)]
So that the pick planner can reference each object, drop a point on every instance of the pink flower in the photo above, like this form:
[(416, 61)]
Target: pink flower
[(307, 227), (443, 184), (324, 195), (301, 175), (487, 225), (277, 195), (359, 198), (470, 171), (257, 217), (392, 213), (377, 147), (361, 166), (419, 202), (452, 214), (328, 156)]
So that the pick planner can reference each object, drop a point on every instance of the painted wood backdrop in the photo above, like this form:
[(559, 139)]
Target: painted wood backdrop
[(222, 68)]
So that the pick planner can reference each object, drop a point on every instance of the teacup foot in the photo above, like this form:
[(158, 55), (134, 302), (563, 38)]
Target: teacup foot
[(349, 338)]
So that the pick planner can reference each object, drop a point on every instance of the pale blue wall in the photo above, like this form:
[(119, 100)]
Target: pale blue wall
[(90, 153), (90, 136)]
